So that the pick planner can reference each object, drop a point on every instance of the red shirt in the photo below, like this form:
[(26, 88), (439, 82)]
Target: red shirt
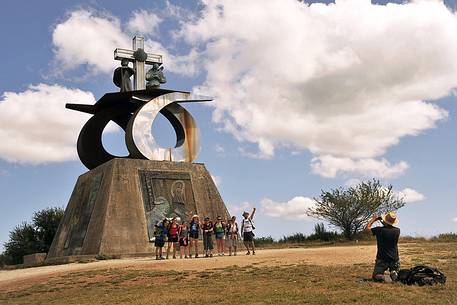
[(174, 229)]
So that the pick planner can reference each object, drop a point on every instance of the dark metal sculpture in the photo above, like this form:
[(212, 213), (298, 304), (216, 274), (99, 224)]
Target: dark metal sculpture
[(135, 110)]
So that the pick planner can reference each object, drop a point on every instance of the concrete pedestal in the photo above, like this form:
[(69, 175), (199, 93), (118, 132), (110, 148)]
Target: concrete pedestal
[(113, 208)]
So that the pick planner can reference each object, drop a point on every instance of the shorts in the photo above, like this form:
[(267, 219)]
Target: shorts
[(381, 266), (193, 235), (248, 236), (159, 242), (220, 235), (231, 242), (173, 238), (183, 242), (208, 242)]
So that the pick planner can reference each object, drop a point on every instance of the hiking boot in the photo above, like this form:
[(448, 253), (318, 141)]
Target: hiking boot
[(196, 255), (253, 252), (174, 257), (394, 276), (206, 255), (248, 253), (211, 255), (186, 256)]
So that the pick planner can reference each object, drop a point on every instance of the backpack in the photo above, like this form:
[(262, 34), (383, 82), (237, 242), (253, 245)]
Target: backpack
[(421, 275)]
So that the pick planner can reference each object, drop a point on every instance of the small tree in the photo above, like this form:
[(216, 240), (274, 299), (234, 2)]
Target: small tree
[(32, 238), (46, 223), (350, 209), (23, 241)]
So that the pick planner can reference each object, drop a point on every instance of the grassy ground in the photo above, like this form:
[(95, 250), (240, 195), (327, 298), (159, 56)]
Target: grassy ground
[(256, 284)]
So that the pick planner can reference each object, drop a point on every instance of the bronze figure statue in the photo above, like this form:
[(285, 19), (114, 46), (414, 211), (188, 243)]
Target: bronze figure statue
[(155, 76), (121, 76)]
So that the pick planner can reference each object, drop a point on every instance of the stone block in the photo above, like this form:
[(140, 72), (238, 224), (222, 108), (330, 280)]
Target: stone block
[(34, 259)]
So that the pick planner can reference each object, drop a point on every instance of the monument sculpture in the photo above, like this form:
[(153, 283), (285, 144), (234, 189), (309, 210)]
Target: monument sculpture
[(115, 205)]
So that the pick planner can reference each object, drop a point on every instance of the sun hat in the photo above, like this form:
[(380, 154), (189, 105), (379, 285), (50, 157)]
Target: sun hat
[(390, 218), (195, 216), (244, 213)]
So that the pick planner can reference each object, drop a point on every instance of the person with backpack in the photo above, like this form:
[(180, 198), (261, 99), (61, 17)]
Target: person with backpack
[(247, 229), (159, 238), (387, 237), (173, 236), (194, 231), (232, 235), (219, 232), (184, 240), (208, 230)]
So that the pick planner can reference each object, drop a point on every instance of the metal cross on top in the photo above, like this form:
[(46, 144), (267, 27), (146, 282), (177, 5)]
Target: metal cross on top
[(139, 58)]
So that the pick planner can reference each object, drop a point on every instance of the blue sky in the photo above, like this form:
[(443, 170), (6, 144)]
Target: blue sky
[(257, 159)]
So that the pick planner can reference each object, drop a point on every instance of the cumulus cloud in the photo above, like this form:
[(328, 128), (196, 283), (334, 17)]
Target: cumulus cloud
[(345, 80), (238, 209), (36, 127), (293, 209), (410, 195), (329, 167), (143, 22), (88, 38)]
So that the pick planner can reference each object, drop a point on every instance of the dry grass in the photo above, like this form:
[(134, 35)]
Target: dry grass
[(253, 284)]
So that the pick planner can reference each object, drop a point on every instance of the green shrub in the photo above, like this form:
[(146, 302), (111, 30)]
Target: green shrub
[(446, 237), (320, 233), (260, 241), (294, 238)]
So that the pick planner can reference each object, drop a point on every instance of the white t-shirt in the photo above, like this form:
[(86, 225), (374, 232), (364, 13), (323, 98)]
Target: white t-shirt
[(247, 225)]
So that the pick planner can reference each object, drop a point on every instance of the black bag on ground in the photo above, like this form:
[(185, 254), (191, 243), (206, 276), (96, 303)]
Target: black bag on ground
[(421, 275)]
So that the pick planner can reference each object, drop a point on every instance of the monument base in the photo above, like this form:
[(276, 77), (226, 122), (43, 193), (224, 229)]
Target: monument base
[(114, 207)]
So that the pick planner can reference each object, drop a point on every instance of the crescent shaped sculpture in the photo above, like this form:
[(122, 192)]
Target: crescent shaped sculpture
[(134, 112), (140, 141)]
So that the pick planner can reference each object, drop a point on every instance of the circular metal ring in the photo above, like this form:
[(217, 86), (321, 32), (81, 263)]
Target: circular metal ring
[(140, 141)]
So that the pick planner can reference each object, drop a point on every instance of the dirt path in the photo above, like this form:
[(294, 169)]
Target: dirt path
[(327, 256)]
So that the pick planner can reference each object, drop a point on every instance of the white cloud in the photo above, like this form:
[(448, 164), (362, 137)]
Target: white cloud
[(144, 23), (329, 167), (219, 149), (4, 173), (411, 195), (454, 220), (36, 127), (293, 209), (89, 37), (238, 209), (347, 80)]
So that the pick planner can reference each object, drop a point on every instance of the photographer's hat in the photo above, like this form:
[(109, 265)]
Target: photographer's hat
[(390, 218)]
